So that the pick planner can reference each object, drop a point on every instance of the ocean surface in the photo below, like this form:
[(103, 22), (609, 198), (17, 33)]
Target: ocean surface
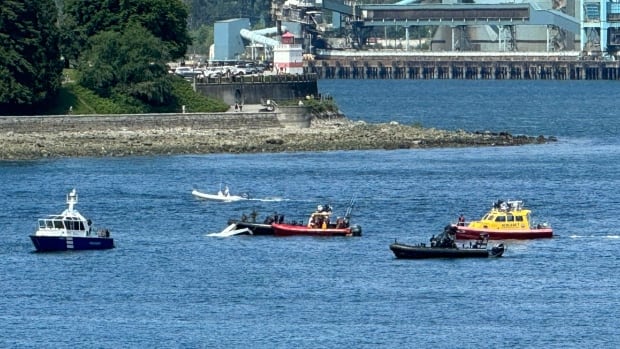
[(167, 284)]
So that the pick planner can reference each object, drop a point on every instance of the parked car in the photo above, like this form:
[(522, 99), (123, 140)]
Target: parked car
[(214, 72), (187, 72), (200, 73), (245, 69)]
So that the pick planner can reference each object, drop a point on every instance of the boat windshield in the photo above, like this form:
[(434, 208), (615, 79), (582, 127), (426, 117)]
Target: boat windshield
[(51, 224), (74, 224)]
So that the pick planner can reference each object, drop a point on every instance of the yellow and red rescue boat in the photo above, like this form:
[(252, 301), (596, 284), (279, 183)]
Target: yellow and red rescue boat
[(505, 220)]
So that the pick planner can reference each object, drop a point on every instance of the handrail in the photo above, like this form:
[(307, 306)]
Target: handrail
[(259, 79)]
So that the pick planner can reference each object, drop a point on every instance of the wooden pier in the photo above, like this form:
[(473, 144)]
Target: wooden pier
[(472, 67)]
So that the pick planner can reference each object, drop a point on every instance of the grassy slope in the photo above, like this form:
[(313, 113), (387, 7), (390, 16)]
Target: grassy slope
[(83, 101)]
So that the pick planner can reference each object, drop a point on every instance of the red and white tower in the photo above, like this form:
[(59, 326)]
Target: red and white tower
[(288, 57)]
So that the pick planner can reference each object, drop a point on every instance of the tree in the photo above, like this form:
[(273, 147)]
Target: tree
[(82, 19), (207, 12), (165, 19), (30, 61), (131, 63), (202, 39)]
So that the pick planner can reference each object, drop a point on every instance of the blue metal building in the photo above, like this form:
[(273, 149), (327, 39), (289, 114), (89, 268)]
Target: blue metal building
[(228, 45)]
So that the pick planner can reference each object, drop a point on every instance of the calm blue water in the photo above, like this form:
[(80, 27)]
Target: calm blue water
[(167, 284)]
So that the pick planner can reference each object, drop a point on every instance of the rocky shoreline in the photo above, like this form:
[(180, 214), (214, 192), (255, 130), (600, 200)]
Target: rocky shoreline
[(92, 140)]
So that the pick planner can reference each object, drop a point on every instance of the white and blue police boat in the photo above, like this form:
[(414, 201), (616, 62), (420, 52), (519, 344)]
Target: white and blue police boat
[(70, 231)]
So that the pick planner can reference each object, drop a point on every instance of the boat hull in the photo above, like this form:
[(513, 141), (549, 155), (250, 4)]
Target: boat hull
[(467, 233), (58, 243), (300, 230), (422, 252), (216, 197)]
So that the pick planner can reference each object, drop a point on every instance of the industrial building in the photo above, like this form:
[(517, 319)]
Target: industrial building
[(488, 39), (228, 44), (484, 25)]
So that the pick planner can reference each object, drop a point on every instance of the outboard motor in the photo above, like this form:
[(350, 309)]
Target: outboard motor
[(356, 230), (498, 250)]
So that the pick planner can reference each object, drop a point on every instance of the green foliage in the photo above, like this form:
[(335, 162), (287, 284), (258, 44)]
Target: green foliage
[(318, 107), (30, 63), (75, 99), (120, 47), (207, 12), (132, 62), (81, 100), (194, 102), (64, 102), (88, 102), (81, 19), (202, 39), (165, 19)]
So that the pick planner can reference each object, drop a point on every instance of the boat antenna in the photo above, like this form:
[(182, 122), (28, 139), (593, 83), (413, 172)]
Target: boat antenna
[(347, 214), (72, 199)]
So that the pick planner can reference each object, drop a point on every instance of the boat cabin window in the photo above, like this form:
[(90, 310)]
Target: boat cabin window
[(510, 218), (500, 219), (58, 225), (519, 218), (74, 225)]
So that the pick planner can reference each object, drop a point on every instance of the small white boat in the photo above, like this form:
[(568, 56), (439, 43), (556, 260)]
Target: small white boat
[(70, 231), (222, 195)]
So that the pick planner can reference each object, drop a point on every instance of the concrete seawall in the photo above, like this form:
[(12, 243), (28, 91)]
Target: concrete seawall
[(254, 89), (293, 116), (251, 119)]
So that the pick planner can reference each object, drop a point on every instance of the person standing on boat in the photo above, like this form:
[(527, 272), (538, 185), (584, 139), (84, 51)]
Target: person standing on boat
[(503, 206), (461, 220)]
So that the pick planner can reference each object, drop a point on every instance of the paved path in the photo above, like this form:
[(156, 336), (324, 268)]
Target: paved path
[(247, 108)]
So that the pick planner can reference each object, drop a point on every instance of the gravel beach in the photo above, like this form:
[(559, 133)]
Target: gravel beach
[(21, 140)]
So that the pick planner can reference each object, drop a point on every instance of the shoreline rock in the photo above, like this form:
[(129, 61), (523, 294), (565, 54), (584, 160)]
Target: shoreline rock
[(339, 133)]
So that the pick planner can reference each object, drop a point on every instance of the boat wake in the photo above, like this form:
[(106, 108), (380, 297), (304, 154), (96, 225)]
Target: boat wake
[(269, 199), (577, 236)]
